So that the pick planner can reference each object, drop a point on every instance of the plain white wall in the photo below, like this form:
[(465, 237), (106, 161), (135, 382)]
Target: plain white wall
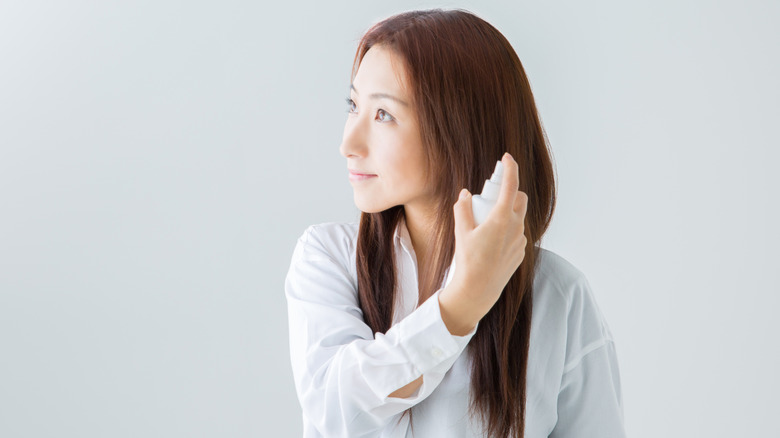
[(159, 159)]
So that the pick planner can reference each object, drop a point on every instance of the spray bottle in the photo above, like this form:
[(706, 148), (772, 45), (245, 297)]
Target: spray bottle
[(483, 203)]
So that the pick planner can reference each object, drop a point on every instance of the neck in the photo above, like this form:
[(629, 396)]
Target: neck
[(419, 223)]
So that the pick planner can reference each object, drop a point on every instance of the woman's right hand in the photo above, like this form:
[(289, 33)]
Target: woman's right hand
[(488, 254)]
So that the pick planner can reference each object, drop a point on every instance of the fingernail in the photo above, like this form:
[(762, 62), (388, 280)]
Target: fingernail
[(463, 193), (506, 154)]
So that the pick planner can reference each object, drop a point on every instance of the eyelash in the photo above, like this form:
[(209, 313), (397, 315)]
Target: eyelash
[(350, 102)]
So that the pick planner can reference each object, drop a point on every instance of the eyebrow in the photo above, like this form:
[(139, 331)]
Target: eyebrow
[(381, 96)]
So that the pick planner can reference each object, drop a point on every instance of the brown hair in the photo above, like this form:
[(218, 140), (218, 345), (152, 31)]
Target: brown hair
[(473, 102)]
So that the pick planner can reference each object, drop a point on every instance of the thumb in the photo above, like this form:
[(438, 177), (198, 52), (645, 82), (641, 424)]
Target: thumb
[(464, 215)]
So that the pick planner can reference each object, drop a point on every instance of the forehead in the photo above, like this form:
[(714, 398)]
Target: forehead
[(381, 70)]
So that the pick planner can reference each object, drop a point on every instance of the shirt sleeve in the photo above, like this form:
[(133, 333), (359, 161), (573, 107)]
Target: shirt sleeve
[(589, 399), (344, 373)]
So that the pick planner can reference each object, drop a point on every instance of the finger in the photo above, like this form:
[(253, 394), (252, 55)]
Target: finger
[(521, 203), (464, 215), (509, 184)]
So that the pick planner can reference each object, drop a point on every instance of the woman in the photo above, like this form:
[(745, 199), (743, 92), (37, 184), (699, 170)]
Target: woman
[(387, 340)]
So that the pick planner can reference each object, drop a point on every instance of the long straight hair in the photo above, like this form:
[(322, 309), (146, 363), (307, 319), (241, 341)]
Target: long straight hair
[(473, 102)]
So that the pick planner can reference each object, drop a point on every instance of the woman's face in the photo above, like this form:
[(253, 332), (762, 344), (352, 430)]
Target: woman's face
[(382, 137)]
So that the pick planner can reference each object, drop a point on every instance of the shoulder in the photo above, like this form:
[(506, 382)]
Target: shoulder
[(333, 232), (334, 242), (564, 297), (332, 238), (556, 272), (322, 265), (559, 280)]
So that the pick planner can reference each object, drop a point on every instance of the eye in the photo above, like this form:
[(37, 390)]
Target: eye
[(351, 109), (350, 104), (381, 111)]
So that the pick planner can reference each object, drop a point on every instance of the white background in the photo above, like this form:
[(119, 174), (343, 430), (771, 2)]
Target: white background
[(159, 159)]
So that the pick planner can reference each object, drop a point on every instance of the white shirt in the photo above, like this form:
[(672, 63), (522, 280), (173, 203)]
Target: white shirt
[(344, 374)]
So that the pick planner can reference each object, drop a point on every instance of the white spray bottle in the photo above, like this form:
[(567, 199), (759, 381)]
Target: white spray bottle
[(482, 204)]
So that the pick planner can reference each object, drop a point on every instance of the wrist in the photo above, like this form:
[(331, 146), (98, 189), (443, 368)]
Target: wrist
[(459, 314)]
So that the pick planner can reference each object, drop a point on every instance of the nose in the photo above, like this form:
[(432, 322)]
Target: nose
[(353, 140)]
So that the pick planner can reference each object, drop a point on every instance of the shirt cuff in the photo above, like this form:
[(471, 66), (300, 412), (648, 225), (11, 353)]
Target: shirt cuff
[(426, 339)]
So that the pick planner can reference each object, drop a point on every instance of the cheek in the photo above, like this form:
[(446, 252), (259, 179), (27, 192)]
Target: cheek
[(414, 166), (402, 162)]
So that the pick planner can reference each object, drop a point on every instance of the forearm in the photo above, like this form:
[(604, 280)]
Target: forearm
[(459, 315), (351, 387)]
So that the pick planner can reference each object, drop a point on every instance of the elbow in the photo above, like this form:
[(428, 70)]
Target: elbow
[(333, 408)]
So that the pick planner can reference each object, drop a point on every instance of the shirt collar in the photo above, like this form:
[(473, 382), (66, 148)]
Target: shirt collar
[(402, 235)]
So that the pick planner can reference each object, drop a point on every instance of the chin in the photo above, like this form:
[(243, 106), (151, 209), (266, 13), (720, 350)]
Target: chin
[(370, 208), (371, 205)]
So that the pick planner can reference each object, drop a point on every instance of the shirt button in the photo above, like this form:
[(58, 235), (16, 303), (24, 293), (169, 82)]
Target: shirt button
[(436, 352)]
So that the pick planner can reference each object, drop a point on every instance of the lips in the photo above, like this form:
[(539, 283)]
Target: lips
[(359, 176)]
